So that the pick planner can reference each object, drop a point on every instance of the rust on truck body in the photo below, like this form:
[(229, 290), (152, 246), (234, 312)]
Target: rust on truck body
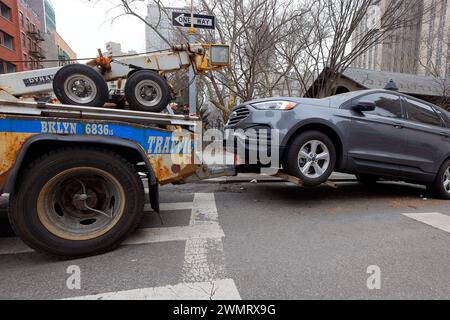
[(10, 145), (168, 167)]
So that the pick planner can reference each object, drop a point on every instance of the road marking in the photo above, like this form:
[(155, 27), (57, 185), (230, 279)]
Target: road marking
[(13, 246), (176, 206), (141, 236), (171, 206), (204, 262), (204, 257), (216, 290), (437, 220), (155, 235)]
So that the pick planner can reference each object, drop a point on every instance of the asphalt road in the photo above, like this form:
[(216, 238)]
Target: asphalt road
[(258, 241)]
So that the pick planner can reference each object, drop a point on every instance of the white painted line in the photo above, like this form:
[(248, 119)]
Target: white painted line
[(171, 206), (204, 258), (141, 236), (155, 235), (437, 220), (215, 290), (204, 210), (13, 246), (204, 261)]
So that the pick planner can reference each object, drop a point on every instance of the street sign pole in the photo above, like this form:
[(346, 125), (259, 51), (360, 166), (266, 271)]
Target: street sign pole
[(193, 86), (193, 22)]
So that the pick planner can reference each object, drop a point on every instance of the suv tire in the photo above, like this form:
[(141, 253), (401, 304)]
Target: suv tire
[(311, 157)]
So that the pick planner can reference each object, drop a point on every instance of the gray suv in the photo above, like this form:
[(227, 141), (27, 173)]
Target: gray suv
[(373, 134)]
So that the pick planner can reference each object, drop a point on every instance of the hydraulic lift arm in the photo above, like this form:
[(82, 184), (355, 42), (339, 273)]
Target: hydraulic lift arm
[(85, 85)]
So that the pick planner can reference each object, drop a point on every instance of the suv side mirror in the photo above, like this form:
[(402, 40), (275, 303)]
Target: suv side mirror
[(364, 106)]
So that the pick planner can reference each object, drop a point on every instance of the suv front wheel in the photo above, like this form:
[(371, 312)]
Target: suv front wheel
[(311, 157)]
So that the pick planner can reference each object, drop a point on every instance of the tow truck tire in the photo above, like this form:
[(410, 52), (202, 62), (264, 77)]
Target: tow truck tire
[(147, 91), (78, 202), (80, 85)]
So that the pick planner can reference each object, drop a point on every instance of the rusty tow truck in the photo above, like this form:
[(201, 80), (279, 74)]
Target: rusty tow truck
[(73, 171), (74, 174)]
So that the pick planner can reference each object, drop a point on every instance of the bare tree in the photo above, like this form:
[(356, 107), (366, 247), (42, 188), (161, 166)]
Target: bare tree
[(253, 29), (432, 65), (339, 23), (275, 43)]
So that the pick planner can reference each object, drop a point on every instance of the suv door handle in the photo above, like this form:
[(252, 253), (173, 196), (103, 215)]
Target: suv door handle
[(445, 135), (398, 126)]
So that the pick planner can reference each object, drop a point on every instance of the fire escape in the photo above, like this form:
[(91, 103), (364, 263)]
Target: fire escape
[(36, 51)]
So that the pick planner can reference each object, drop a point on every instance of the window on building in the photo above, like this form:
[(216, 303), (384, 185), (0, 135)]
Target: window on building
[(30, 44), (7, 67), (28, 24), (6, 40), (10, 67), (25, 60), (24, 41), (5, 11), (22, 23)]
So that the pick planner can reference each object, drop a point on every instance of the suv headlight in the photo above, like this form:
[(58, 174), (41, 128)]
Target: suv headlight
[(275, 105)]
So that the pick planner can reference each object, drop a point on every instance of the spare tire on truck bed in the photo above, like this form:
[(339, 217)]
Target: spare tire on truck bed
[(78, 202), (146, 90), (80, 85)]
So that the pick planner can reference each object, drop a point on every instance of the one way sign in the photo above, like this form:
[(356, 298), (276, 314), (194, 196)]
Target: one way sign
[(183, 19)]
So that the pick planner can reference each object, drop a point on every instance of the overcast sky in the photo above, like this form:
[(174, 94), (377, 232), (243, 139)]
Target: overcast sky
[(87, 26)]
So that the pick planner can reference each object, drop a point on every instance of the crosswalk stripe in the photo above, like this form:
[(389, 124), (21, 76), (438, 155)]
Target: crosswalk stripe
[(154, 235), (141, 236), (13, 246), (204, 258), (171, 206), (437, 220), (214, 290), (207, 230)]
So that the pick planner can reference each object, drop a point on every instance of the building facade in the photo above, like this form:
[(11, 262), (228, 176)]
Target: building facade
[(28, 37), (65, 52), (162, 19), (31, 28), (10, 50), (21, 37), (422, 48), (114, 49)]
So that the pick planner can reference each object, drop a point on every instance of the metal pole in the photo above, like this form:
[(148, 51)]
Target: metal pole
[(193, 87)]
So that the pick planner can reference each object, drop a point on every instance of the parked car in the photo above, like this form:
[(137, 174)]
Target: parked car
[(373, 134)]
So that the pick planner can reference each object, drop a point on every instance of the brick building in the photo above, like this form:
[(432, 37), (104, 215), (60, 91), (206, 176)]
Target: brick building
[(10, 49), (31, 28), (20, 37)]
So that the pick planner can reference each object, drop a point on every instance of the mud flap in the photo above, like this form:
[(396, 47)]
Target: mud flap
[(154, 196)]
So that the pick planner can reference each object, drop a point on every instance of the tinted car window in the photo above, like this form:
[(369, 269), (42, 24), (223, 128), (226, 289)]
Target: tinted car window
[(422, 113), (388, 105)]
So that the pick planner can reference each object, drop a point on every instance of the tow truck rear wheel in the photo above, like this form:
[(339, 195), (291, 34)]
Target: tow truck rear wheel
[(147, 91), (77, 202), (80, 85)]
